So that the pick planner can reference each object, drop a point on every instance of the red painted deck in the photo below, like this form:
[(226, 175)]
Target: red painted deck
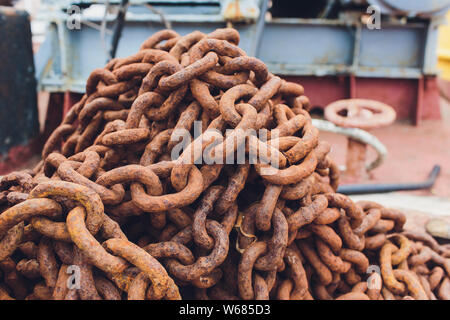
[(412, 152), (412, 99)]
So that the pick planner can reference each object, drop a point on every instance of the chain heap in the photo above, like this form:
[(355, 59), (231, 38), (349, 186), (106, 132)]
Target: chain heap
[(109, 201)]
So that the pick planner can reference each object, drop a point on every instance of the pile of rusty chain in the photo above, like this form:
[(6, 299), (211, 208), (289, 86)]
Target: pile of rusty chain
[(110, 208)]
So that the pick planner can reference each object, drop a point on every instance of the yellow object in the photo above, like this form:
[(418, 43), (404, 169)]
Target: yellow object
[(444, 49)]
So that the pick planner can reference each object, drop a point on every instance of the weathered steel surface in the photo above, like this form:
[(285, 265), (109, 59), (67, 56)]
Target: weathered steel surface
[(18, 110), (402, 94), (342, 46), (412, 8), (363, 114), (112, 198)]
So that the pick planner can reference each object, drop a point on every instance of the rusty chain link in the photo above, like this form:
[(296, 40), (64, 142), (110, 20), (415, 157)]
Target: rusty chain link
[(109, 199)]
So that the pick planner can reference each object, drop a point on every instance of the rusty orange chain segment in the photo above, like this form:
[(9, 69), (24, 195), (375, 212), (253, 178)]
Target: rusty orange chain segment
[(110, 213)]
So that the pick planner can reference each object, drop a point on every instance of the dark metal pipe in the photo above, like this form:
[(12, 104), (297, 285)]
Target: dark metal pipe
[(324, 14), (390, 187), (260, 28), (118, 29)]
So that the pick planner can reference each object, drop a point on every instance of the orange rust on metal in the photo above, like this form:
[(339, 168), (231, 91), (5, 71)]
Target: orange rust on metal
[(111, 201), (362, 114)]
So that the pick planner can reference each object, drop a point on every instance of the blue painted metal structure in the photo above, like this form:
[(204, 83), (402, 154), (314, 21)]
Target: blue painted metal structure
[(289, 46), (412, 7)]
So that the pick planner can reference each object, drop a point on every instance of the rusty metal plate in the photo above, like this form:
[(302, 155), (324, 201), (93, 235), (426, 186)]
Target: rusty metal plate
[(18, 103)]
